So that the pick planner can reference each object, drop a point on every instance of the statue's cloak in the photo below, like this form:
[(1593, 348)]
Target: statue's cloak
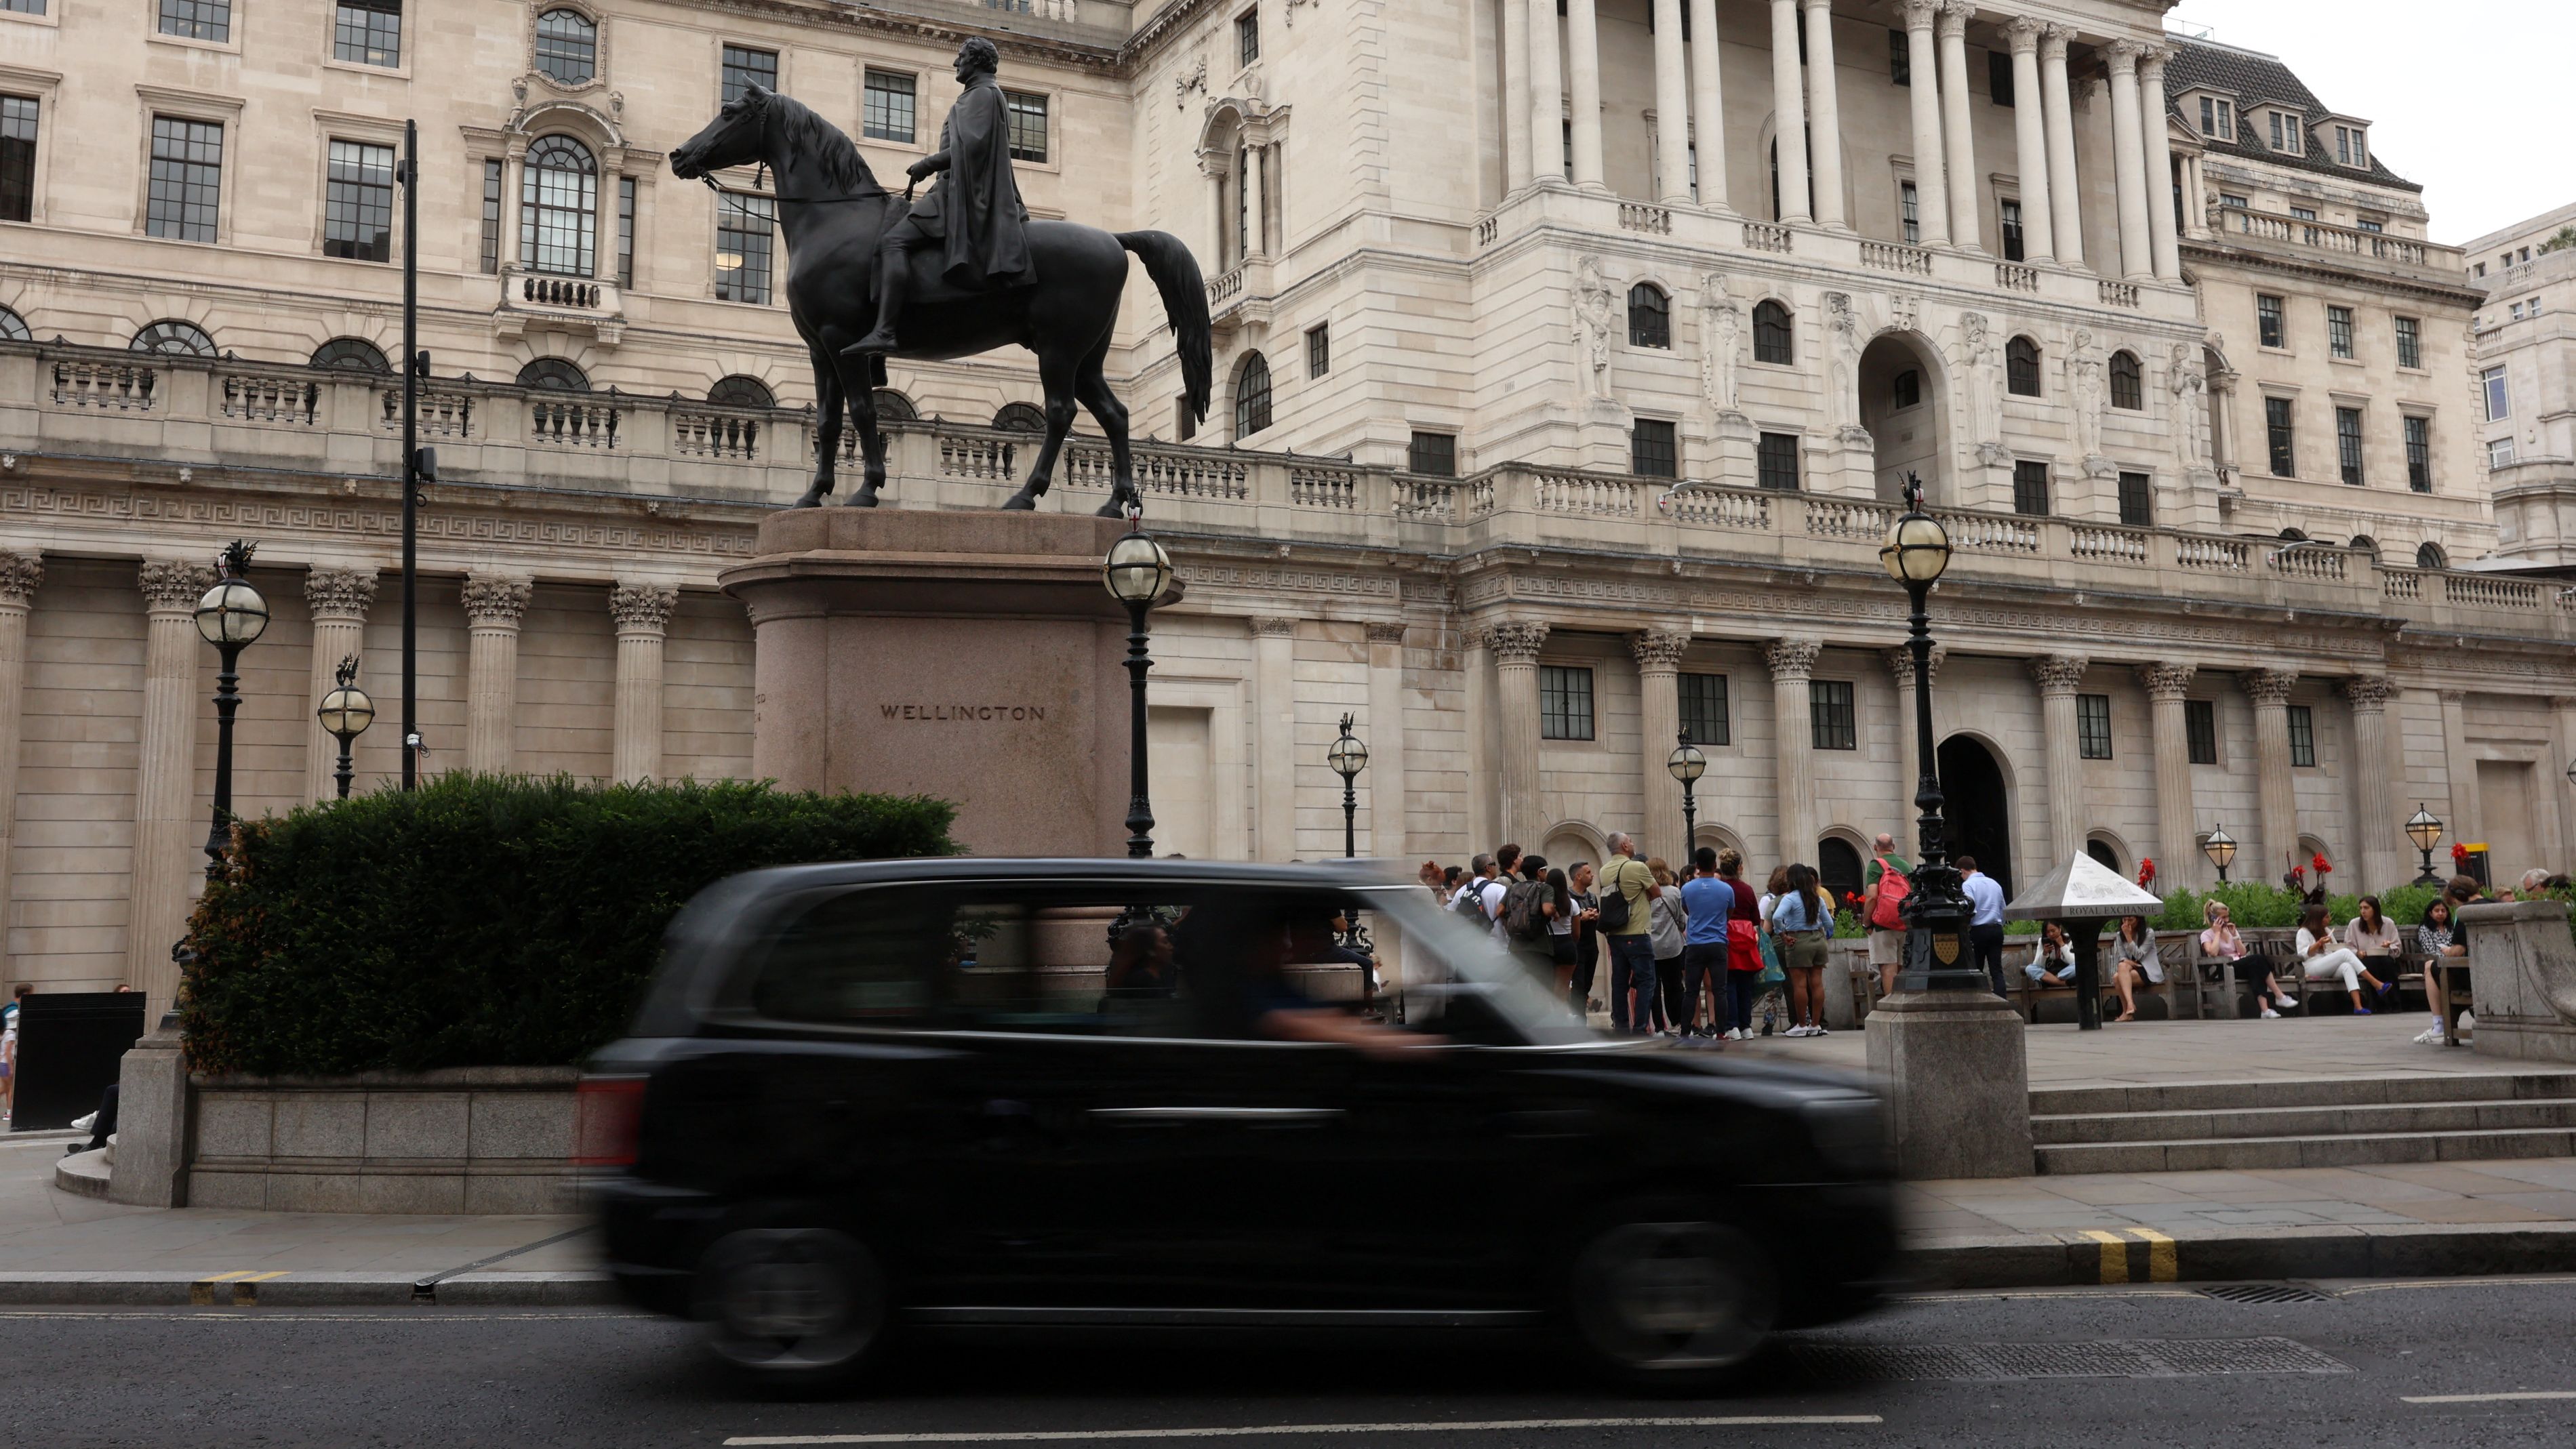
[(975, 208)]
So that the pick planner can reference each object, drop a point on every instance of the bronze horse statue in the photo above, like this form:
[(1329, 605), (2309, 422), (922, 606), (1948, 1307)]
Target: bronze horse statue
[(832, 212)]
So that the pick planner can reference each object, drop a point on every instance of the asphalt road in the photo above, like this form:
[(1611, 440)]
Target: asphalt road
[(2141, 1366)]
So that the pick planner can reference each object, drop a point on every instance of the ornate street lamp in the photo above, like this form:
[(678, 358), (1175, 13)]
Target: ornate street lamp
[(1937, 958), (2220, 847), (345, 714), (2425, 829), (1137, 573), (1687, 765), (1348, 757), (229, 616)]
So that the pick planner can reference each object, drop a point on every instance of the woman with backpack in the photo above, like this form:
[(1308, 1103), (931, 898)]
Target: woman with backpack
[(1802, 921)]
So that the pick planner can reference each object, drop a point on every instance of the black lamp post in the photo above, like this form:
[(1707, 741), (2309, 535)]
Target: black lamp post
[(345, 714), (1348, 757), (1137, 572), (2220, 847), (1687, 765), (1937, 958), (229, 616), (2425, 829)]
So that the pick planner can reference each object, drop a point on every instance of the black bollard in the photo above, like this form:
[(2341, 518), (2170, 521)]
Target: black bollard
[(2086, 938)]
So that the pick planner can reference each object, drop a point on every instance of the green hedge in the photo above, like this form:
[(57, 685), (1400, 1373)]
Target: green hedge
[(483, 920)]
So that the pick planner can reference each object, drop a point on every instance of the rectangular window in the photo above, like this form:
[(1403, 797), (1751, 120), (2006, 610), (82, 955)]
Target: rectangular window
[(23, 7), (367, 32), (1185, 420), (2217, 119), (2303, 213), (1319, 349), (1569, 150), (2272, 321), (1564, 702), (187, 178), (744, 68), (2285, 133), (1028, 125), (2500, 452), (2369, 223), (1247, 37), (1999, 76), (2228, 199), (2011, 229), (1703, 699), (2339, 332), (2419, 454), (198, 19), (2283, 437), (1433, 455), (17, 157), (1829, 714), (2499, 401), (887, 112), (2030, 487), (2303, 736), (491, 217), (1652, 450), (744, 227), (2093, 726), (2137, 500), (1900, 58), (358, 202), (2352, 147), (2200, 724), (2410, 343), (1775, 461), (2348, 444), (626, 231), (1909, 206)]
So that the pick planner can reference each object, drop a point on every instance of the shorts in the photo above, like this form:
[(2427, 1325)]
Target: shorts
[(1886, 948), (1560, 946), (1807, 953)]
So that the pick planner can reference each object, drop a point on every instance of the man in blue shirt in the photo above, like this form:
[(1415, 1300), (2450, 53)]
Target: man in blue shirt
[(1708, 901), (1985, 919)]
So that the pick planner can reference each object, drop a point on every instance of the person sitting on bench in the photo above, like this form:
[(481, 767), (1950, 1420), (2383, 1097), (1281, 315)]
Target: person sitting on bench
[(2323, 960), (2052, 964)]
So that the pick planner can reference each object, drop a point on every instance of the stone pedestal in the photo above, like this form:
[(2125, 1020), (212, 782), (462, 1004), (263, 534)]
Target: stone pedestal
[(1957, 1078), (971, 656), (151, 1160), (2522, 971)]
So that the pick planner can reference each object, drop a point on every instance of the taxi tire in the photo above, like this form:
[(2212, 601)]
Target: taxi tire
[(793, 1309)]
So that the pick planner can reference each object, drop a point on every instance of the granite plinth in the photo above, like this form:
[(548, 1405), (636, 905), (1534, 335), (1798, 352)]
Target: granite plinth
[(1954, 1067), (2522, 972)]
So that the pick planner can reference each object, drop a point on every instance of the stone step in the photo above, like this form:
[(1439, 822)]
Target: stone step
[(84, 1173), (2354, 1091), (2373, 1119), (2241, 1154)]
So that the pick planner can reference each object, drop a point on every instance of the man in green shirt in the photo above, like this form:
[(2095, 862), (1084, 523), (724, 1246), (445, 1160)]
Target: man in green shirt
[(1886, 948), (1632, 953)]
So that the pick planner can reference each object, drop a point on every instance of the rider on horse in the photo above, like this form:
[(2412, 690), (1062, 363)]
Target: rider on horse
[(973, 212)]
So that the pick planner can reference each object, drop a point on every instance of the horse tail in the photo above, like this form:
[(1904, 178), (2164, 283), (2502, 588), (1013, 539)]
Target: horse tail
[(1175, 272)]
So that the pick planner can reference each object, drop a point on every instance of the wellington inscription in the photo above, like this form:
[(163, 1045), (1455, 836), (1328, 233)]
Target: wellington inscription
[(962, 712)]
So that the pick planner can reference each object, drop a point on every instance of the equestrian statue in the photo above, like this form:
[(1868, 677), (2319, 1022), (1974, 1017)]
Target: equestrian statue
[(962, 271)]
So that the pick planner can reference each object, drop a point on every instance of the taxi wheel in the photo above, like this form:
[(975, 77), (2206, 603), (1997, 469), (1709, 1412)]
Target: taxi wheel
[(792, 1308), (1667, 1301)]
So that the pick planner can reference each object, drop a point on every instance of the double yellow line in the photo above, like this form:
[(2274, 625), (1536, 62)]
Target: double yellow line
[(2162, 1256), (245, 1286)]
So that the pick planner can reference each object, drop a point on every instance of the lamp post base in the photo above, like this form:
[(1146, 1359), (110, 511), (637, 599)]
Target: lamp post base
[(1956, 1071)]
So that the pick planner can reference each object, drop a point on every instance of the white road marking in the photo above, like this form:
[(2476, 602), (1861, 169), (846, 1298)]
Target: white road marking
[(1024, 1436), (2488, 1398)]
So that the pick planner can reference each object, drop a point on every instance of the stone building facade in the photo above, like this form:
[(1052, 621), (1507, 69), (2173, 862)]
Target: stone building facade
[(2526, 386), (1547, 424)]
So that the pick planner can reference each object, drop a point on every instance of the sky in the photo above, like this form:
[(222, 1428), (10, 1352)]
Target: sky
[(2467, 97)]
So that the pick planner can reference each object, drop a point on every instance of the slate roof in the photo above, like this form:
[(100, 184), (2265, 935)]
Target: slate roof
[(2256, 80)]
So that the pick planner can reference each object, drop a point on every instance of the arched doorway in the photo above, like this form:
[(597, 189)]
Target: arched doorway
[(1978, 808), (1839, 869), (1900, 407)]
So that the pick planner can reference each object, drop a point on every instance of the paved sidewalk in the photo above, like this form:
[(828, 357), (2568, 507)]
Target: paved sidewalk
[(2159, 1052)]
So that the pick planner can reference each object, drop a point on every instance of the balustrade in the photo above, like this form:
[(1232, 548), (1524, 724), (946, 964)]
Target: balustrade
[(559, 292), (2324, 565), (1638, 216), (717, 435), (2096, 544), (2484, 591), (974, 455), (1989, 532), (269, 398), (1424, 498), (2118, 294), (2212, 555), (439, 414), (2326, 236), (1848, 518), (1896, 257), (120, 387), (1739, 508), (1585, 495), (1323, 487), (2015, 277), (1224, 285), (2402, 585), (1764, 236), (1488, 229), (572, 422)]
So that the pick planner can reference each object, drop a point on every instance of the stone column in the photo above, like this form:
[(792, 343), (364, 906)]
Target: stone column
[(2066, 212), (1824, 115), (1793, 662), (494, 605), (1966, 230), (1546, 94), (2129, 162), (642, 612), (2058, 677), (1274, 737), (2376, 770), (2153, 111), (169, 834), (1708, 106), (2465, 816), (2178, 858), (1672, 104), (1484, 773), (20, 573), (1515, 646), (1909, 757), (1789, 111), (1931, 180), (1256, 240), (2030, 136), (2277, 824), (339, 600), (1514, 110), (1659, 718), (1389, 816), (1583, 91)]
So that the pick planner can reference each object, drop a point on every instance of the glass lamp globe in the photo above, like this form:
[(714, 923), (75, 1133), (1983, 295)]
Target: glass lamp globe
[(231, 613), (2424, 828), (346, 712), (2220, 848), (1347, 756), (1917, 549), (1686, 762), (1137, 570)]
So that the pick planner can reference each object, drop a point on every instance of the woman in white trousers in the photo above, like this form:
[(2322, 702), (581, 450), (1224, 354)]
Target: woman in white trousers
[(2324, 960)]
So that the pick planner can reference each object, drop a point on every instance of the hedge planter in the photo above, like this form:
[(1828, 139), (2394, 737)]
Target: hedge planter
[(462, 1140)]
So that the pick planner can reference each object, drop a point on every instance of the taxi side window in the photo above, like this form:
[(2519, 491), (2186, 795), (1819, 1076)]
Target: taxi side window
[(864, 958)]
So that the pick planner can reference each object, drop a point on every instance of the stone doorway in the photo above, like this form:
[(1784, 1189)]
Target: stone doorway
[(1902, 409), (1977, 804)]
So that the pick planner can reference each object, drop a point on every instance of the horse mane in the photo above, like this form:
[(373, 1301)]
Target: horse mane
[(806, 130)]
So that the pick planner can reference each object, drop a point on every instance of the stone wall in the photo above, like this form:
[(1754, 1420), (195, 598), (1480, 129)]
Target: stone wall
[(467, 1139)]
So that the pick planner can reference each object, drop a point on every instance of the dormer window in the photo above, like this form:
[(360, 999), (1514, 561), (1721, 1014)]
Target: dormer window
[(2217, 119), (2287, 127), (2352, 146)]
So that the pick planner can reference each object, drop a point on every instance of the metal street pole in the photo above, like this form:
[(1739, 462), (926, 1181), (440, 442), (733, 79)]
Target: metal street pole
[(411, 457), (1937, 957), (1140, 810)]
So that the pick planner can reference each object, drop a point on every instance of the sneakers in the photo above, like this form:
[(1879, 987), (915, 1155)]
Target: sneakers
[(1795, 1031), (2431, 1036), (2270, 1015), (2363, 1011), (1818, 1030)]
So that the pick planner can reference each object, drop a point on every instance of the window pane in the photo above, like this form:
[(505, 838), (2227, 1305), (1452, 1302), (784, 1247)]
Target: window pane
[(1319, 351), (745, 68), (17, 157), (1247, 37), (2419, 454), (1564, 703), (1434, 455), (1771, 340), (23, 7), (567, 46), (2339, 331), (2303, 736), (1776, 461), (1999, 76), (368, 32), (1652, 450), (2348, 444), (1650, 317), (1909, 205), (2013, 246), (2093, 726), (2283, 439), (558, 203), (1028, 125), (888, 111), (358, 202), (197, 19), (1703, 699), (2137, 500), (1829, 714), (2200, 722), (1900, 59), (2268, 317), (626, 231), (2410, 342), (2499, 401), (2128, 382), (2030, 487), (744, 226), (187, 176), (2021, 367)]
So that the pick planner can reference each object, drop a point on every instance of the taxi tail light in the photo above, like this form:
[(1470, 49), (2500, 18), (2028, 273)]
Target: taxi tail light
[(608, 1115)]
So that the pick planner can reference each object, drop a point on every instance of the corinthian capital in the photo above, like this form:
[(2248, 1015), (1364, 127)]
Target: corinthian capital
[(169, 584), (1658, 649), (2124, 55), (20, 573), (1955, 15), (340, 593), (1919, 14), (1792, 658), (495, 600), (1517, 641), (1273, 626), (642, 608), (2268, 686), (2025, 33), (1900, 664), (2369, 692), (2166, 682), (2053, 41), (2058, 673)]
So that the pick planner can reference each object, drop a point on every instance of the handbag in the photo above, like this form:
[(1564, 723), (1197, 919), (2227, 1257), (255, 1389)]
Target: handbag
[(1771, 971), (1743, 946)]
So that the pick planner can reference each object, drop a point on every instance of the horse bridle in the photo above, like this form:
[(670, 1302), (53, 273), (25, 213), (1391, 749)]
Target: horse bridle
[(760, 171)]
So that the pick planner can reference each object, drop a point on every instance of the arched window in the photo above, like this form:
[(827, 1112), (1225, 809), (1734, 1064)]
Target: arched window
[(353, 354), (2292, 535), (1771, 336), (1838, 868), (559, 207), (2364, 543), (176, 338), (1909, 389), (739, 391), (2021, 367), (2128, 382), (1020, 417), (555, 373), (1650, 316), (2105, 856), (2430, 556), (1251, 396), (13, 328), (892, 406), (567, 46)]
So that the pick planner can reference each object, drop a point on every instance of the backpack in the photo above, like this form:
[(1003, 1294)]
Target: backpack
[(1885, 907), (1614, 901), (1471, 901), (1520, 909)]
